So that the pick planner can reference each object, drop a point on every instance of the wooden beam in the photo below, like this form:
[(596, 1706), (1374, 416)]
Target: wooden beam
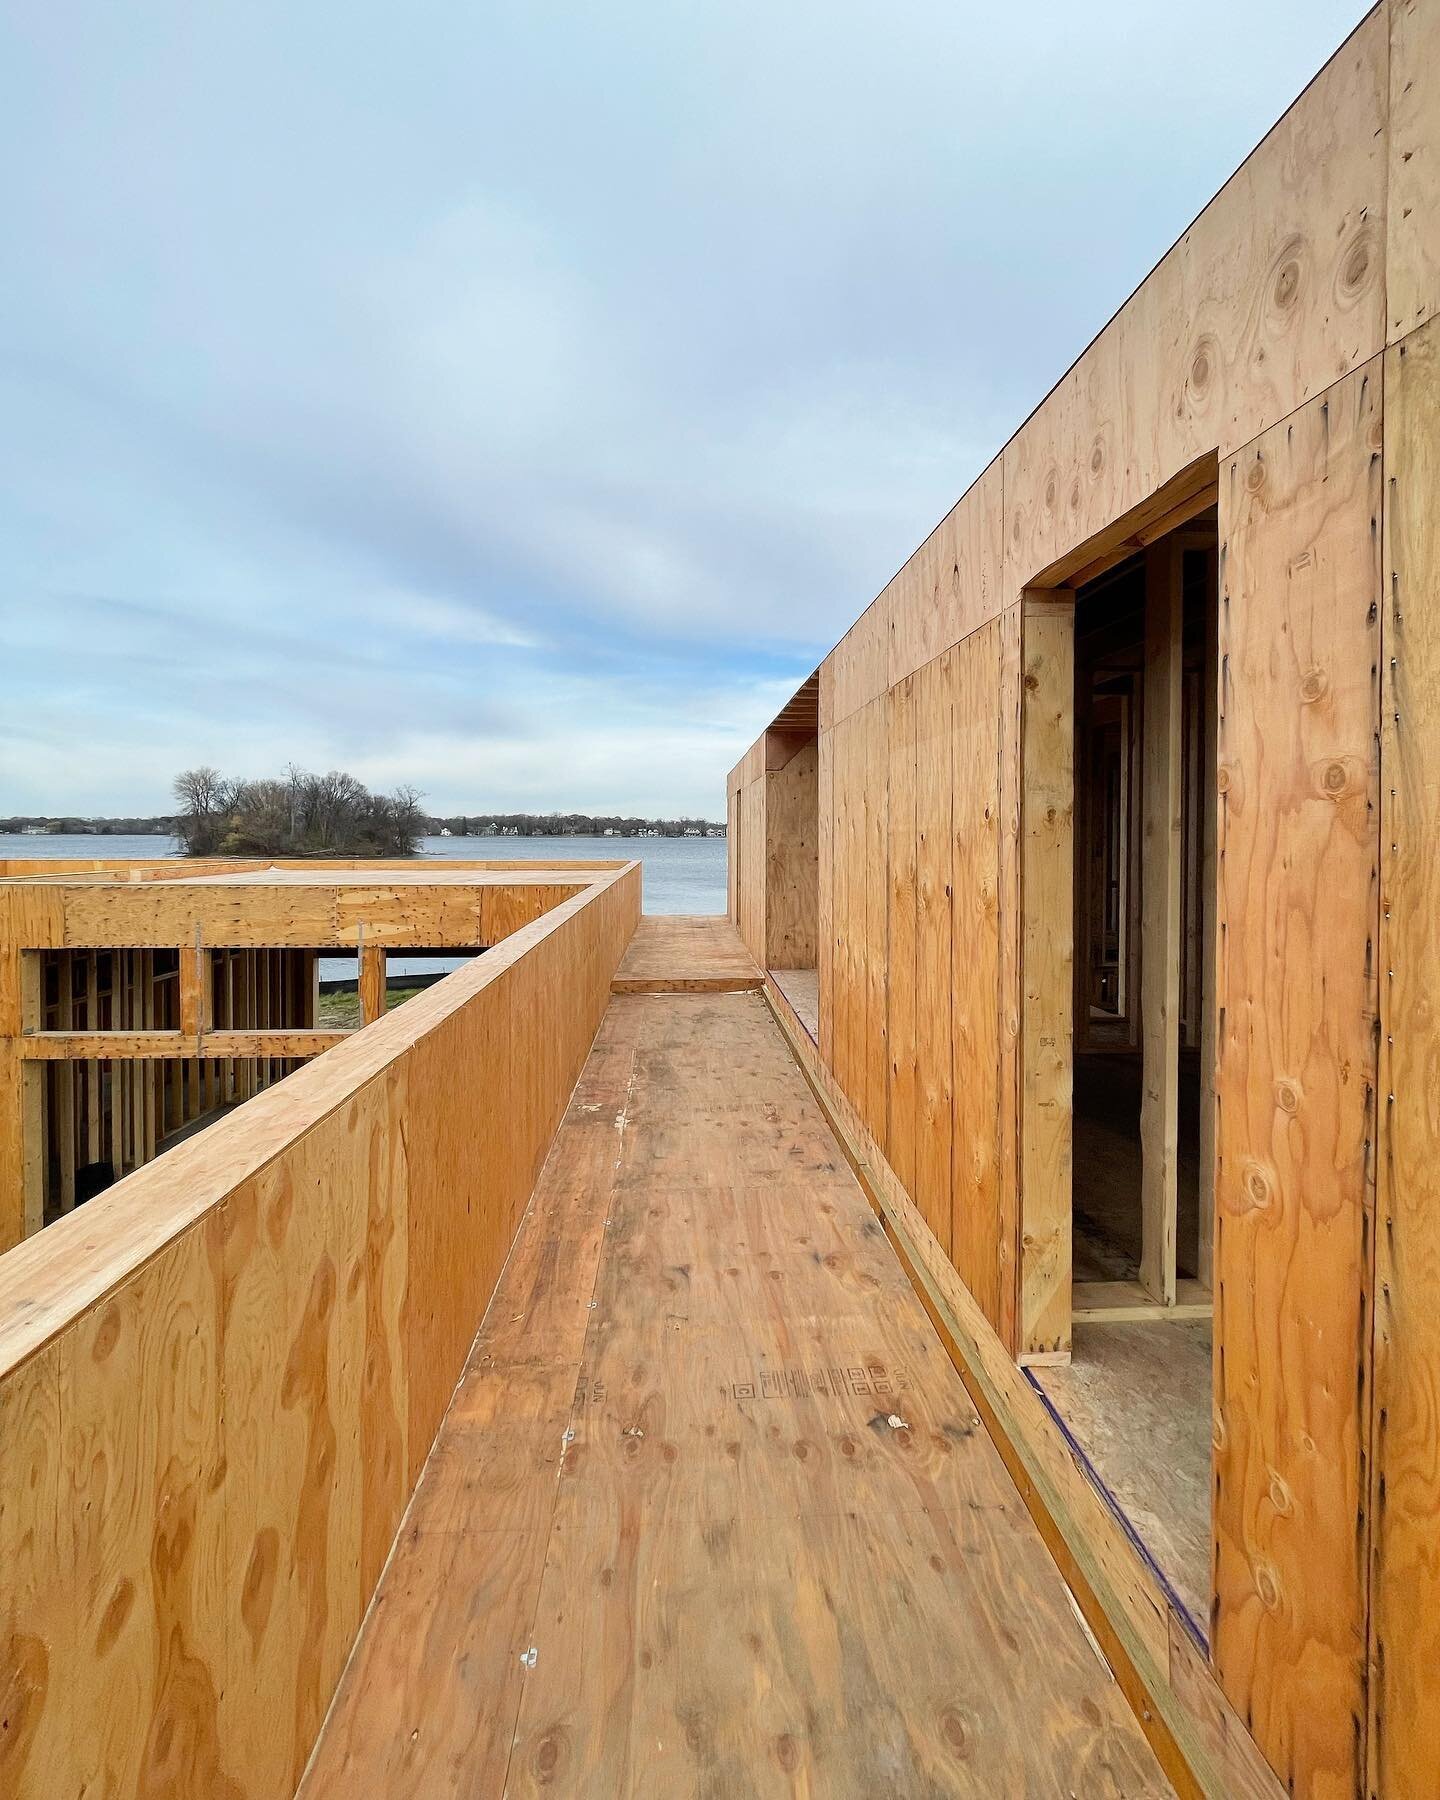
[(140, 1046), (1160, 921), (1047, 902)]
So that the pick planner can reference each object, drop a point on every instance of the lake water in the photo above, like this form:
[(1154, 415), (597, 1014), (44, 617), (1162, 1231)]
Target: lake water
[(679, 875)]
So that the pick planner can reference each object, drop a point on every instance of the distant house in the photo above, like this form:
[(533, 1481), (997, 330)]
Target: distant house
[(692, 831), (445, 831)]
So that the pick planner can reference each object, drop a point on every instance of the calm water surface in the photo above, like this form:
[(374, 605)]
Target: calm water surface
[(680, 875)]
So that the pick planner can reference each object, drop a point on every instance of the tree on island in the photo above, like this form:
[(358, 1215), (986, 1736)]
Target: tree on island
[(301, 815)]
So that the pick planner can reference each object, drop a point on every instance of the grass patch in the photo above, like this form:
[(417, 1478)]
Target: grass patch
[(341, 1012)]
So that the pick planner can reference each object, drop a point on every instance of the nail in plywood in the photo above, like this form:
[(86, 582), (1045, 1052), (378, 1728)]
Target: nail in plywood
[(1160, 919), (1412, 241), (1299, 643)]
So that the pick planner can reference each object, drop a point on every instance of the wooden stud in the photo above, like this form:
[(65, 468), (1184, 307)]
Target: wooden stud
[(1210, 799), (1047, 902), (372, 980), (1160, 919)]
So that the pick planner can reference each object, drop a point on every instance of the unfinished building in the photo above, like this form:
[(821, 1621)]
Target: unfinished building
[(1093, 872), (969, 1326)]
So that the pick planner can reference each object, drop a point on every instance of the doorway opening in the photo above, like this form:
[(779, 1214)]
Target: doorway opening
[(1135, 651), (1144, 862), (792, 855)]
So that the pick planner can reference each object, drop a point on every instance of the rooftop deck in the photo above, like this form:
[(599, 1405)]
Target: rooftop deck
[(711, 1511)]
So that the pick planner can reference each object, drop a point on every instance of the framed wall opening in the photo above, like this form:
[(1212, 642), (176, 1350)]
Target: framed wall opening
[(792, 854), (1118, 889), (1144, 874)]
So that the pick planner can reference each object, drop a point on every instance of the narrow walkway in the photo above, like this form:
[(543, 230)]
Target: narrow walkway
[(711, 1513), (686, 955)]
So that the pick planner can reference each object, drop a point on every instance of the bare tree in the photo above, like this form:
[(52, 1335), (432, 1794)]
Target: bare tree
[(301, 815), (204, 797)]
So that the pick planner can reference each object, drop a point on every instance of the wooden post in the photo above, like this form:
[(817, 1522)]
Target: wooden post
[(22, 1100), (1209, 802), (94, 1082), (1160, 920), (195, 1007), (65, 1087), (1047, 930), (372, 980)]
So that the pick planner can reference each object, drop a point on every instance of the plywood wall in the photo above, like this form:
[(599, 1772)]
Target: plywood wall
[(1404, 1472), (1286, 340), (218, 1382), (792, 853), (1298, 849)]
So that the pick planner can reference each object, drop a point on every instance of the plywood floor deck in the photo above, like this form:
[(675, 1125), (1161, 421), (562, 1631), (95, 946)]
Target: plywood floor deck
[(711, 1512), (1138, 1401), (801, 987), (676, 954)]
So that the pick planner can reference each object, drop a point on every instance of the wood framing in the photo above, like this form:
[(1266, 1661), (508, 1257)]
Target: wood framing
[(220, 1380), (1160, 921), (1047, 911), (1243, 405), (177, 990)]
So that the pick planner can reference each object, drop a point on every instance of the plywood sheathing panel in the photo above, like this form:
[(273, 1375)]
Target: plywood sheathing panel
[(1404, 1737), (1202, 1742), (1047, 923), (978, 1229), (1274, 293), (669, 1550), (1298, 849), (219, 1378), (1412, 244), (792, 893), (685, 954)]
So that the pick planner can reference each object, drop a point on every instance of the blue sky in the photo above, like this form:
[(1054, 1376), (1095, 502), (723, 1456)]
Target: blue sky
[(518, 401)]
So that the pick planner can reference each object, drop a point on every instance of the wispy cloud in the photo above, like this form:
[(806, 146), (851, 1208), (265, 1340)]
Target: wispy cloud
[(518, 410)]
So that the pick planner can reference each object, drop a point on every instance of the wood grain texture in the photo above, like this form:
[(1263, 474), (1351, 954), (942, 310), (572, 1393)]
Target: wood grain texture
[(901, 965), (1274, 292), (1047, 979), (219, 1379), (685, 954), (980, 1245), (1412, 240), (792, 861), (1200, 1741), (1009, 739), (1404, 1742), (951, 585), (934, 696), (728, 1572), (1160, 852), (1298, 847)]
